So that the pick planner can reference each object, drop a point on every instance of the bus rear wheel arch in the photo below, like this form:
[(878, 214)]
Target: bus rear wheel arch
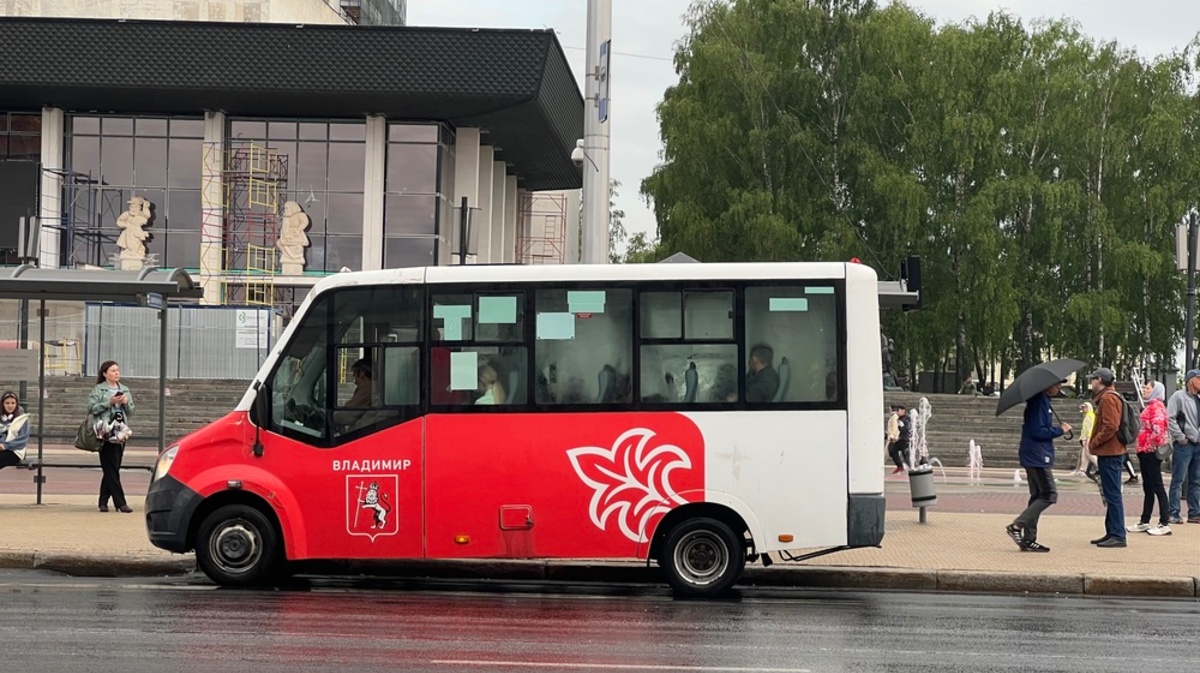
[(238, 544), (702, 552)]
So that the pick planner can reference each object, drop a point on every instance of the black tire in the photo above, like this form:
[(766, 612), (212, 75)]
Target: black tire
[(702, 558), (237, 546)]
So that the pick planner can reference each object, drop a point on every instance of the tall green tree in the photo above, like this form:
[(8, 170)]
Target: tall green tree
[(1038, 172)]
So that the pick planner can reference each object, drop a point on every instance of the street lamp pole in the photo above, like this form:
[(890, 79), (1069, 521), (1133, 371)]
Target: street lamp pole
[(1189, 347), (596, 132)]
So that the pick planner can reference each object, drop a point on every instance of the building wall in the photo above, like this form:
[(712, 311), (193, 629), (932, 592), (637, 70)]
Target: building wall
[(276, 11)]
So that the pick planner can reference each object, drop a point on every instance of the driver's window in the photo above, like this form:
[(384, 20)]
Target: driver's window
[(299, 384)]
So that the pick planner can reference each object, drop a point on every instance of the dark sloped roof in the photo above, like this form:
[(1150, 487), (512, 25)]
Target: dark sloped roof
[(514, 84)]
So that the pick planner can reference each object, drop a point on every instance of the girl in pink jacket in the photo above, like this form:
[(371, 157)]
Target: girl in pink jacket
[(1153, 435)]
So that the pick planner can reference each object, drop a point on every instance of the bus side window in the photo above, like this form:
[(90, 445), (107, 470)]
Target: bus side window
[(298, 382), (480, 359), (583, 347), (688, 352), (795, 330)]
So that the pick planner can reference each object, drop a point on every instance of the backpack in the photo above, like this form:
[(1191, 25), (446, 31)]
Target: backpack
[(1131, 424)]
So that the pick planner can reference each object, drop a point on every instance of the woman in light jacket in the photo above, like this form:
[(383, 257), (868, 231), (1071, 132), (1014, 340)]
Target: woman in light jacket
[(112, 403), (14, 431), (1087, 462)]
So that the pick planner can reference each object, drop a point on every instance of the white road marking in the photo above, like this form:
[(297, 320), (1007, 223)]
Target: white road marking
[(614, 667)]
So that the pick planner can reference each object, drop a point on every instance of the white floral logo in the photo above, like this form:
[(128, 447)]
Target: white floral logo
[(630, 480)]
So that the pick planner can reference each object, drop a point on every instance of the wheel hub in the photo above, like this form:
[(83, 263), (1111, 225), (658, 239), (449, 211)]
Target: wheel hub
[(236, 547), (701, 558)]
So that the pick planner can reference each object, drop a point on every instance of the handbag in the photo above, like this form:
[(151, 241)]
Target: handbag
[(85, 437), (1164, 452)]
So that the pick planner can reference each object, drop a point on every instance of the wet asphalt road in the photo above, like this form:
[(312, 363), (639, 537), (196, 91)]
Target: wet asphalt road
[(49, 623)]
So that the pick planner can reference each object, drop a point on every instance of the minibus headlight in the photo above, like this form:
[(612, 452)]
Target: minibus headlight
[(163, 466)]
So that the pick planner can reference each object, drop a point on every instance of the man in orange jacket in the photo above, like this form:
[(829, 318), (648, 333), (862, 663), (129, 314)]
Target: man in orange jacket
[(1110, 453)]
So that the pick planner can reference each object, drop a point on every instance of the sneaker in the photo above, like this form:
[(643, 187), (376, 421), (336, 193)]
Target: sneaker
[(1035, 547), (1131, 480), (898, 470), (1112, 543), (1014, 531), (1160, 530), (1176, 521), (1193, 519), (1140, 528)]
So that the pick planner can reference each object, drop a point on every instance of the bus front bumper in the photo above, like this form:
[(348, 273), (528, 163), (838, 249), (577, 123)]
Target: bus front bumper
[(864, 519), (169, 509)]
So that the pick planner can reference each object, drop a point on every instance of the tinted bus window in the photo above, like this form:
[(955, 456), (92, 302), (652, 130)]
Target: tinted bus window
[(583, 348), (795, 329)]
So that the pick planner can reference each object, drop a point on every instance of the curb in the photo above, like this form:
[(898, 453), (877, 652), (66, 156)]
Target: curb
[(778, 576), (98, 565)]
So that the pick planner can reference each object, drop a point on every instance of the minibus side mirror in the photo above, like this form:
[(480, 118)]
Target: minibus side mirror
[(261, 414)]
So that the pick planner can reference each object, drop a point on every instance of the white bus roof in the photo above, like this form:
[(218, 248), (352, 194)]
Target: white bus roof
[(892, 294), (560, 273)]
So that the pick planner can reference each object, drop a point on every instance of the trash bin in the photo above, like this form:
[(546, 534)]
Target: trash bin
[(922, 488)]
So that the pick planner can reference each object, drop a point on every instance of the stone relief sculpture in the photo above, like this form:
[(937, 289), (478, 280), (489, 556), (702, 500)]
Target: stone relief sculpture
[(132, 242), (292, 239)]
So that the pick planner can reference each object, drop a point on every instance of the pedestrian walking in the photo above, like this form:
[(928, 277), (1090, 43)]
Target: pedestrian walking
[(1038, 433), (1151, 438), (1110, 453), (111, 405), (1087, 462), (1183, 421), (899, 432)]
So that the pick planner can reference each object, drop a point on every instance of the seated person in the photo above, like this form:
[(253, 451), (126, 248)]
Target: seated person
[(762, 381), (362, 398), (492, 391)]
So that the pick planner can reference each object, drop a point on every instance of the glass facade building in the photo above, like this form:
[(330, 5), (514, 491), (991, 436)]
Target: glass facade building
[(112, 159)]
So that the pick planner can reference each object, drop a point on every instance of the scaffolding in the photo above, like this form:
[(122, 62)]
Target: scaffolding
[(85, 205), (253, 178), (543, 228)]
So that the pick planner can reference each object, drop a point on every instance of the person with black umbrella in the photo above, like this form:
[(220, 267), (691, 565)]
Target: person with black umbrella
[(1038, 433)]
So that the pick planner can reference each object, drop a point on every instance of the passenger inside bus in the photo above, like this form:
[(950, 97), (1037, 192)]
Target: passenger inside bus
[(490, 388), (762, 381)]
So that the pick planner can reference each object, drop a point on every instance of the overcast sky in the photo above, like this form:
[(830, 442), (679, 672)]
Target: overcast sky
[(645, 32)]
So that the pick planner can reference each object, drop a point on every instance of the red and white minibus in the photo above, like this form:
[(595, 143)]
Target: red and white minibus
[(696, 415)]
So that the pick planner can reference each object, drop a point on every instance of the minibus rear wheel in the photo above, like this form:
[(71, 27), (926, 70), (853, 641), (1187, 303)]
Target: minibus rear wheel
[(702, 558), (237, 546)]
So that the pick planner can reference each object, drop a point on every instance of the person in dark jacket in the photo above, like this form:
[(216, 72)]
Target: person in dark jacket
[(1037, 457)]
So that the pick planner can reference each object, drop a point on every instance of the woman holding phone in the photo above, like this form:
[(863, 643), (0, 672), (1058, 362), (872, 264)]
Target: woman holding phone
[(111, 402)]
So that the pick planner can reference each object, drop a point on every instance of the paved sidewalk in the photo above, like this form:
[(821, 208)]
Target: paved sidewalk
[(958, 551)]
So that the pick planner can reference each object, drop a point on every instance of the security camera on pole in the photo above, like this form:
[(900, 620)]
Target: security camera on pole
[(596, 134)]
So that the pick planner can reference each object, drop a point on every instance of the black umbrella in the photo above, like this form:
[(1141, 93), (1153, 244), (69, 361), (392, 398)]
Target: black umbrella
[(1035, 380)]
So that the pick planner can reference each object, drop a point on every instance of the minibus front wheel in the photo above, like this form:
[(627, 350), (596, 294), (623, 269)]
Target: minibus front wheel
[(702, 558), (237, 546)]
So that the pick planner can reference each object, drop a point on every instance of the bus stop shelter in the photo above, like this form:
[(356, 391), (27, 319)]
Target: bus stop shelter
[(152, 288)]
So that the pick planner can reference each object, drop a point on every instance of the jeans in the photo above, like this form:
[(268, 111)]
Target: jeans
[(1185, 466), (1152, 486), (1111, 468), (899, 452), (1042, 494)]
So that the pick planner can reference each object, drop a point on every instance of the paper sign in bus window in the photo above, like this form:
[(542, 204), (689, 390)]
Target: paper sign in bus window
[(452, 317), (464, 371), (788, 304), (555, 326), (497, 310), (585, 301), (818, 290)]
